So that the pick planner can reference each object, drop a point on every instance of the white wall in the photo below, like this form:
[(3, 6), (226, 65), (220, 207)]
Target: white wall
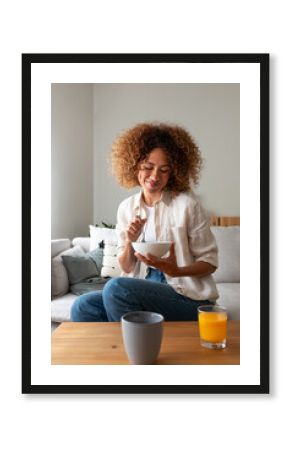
[(183, 27), (71, 159), (209, 111), (87, 118)]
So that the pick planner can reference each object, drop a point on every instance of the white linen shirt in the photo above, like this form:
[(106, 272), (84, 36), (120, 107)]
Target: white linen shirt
[(180, 219)]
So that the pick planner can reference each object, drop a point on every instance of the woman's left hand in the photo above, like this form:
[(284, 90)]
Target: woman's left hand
[(166, 265)]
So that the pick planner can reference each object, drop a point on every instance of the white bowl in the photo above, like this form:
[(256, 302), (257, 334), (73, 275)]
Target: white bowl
[(154, 248)]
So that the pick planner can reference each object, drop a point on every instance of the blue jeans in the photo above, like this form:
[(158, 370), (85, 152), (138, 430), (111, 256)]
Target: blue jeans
[(122, 295)]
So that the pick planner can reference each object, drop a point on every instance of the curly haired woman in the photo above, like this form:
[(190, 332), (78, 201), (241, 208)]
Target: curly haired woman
[(164, 161)]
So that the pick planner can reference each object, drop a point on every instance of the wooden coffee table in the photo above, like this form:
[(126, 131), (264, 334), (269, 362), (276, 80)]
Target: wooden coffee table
[(101, 343)]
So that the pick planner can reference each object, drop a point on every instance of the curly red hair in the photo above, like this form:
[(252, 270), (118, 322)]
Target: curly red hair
[(134, 145)]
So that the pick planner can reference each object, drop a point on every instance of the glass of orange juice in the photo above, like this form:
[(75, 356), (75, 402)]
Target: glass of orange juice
[(212, 321)]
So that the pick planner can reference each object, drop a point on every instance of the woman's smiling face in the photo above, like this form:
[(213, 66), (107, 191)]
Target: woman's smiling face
[(154, 172)]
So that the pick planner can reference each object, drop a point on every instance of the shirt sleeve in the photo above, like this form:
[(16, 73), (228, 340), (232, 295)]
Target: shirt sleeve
[(202, 242)]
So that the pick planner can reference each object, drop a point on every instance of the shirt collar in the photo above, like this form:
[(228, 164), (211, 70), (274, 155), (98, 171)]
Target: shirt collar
[(166, 197)]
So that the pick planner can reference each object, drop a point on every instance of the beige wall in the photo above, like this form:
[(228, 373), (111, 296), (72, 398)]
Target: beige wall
[(211, 113), (87, 118), (71, 159)]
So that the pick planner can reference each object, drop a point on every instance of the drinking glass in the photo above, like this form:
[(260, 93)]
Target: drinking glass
[(212, 321)]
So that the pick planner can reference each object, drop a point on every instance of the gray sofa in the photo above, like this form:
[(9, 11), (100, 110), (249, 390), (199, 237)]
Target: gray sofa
[(227, 275)]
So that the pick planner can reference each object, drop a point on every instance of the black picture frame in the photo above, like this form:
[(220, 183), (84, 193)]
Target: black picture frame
[(263, 61)]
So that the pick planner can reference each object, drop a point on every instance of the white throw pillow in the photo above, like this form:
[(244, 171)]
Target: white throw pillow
[(228, 242), (59, 278), (111, 267), (99, 234)]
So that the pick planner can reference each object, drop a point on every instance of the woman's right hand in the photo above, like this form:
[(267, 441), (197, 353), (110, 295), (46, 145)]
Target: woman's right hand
[(134, 228)]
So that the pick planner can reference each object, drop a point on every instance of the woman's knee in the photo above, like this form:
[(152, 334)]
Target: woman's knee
[(110, 289), (86, 308), (75, 311), (116, 297)]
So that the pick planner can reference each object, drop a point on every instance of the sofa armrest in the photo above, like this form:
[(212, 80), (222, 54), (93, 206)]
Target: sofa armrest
[(58, 246)]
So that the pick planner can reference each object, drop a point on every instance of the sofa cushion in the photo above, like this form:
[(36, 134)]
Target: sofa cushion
[(60, 308), (228, 242), (59, 277), (79, 268), (111, 267), (97, 256), (84, 242), (229, 297), (88, 285), (84, 271), (99, 234)]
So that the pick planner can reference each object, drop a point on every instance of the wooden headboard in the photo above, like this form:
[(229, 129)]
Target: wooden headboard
[(220, 221)]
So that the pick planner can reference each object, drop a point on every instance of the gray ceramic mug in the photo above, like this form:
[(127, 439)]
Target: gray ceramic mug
[(142, 335)]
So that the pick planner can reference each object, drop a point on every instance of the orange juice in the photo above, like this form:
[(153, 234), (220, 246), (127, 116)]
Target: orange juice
[(212, 326)]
